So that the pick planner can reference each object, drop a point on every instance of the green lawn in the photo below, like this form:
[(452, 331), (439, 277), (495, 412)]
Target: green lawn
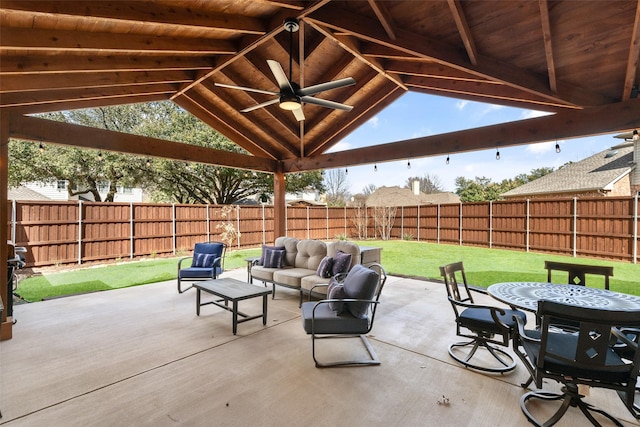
[(406, 258)]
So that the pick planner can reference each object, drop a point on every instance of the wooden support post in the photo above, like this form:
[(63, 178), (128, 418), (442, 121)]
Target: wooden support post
[(6, 323), (279, 208)]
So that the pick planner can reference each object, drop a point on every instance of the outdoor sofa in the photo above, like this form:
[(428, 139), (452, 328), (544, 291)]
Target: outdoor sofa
[(303, 264)]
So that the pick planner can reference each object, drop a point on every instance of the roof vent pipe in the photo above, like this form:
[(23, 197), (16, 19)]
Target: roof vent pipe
[(416, 187)]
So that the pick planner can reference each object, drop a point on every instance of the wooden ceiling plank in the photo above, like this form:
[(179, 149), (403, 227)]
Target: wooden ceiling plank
[(86, 103), (567, 124), (135, 12), (61, 40), (633, 63), (37, 129), (415, 44), (382, 13), (548, 46), (434, 70), (386, 52), (64, 63), (43, 82), (463, 28)]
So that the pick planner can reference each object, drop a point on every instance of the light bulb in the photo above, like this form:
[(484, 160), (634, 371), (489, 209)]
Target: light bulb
[(346, 171), (497, 155), (375, 168), (557, 147), (635, 135), (408, 164), (447, 161)]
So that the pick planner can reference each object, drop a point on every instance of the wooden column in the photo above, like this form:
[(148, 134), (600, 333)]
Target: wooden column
[(279, 208), (6, 323)]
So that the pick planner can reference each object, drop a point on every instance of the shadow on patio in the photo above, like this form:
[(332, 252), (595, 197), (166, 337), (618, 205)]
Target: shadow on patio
[(140, 356)]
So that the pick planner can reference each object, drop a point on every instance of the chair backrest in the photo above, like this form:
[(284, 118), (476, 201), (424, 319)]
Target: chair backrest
[(451, 273), (577, 272), (586, 353), (217, 249)]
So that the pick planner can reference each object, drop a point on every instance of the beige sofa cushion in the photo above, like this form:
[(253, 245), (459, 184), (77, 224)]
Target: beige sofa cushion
[(290, 246), (347, 248), (310, 253), (291, 277)]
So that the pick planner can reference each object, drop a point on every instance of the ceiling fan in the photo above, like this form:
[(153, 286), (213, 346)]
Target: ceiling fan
[(291, 96)]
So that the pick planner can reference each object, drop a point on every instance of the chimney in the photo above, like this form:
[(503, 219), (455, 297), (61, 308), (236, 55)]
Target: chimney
[(635, 173), (416, 187)]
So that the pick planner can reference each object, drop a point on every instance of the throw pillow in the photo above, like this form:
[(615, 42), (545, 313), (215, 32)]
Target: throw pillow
[(324, 269), (335, 290), (264, 248), (203, 260), (273, 258), (341, 263), (360, 283)]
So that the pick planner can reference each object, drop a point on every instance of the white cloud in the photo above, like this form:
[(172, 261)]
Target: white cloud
[(461, 104), (374, 121), (541, 148), (340, 146)]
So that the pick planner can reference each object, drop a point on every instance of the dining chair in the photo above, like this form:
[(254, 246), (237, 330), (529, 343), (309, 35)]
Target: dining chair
[(577, 273), (484, 325), (348, 312), (585, 357), (207, 263)]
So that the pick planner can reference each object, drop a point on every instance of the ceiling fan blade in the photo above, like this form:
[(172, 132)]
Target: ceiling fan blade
[(299, 115), (264, 104), (325, 103), (312, 90), (248, 89), (281, 77)]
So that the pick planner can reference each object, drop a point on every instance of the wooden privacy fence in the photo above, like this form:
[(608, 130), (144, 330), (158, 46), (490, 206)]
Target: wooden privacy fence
[(80, 232)]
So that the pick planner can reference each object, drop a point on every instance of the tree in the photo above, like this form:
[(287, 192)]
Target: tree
[(369, 189), (166, 180), (335, 181), (482, 189), (429, 183)]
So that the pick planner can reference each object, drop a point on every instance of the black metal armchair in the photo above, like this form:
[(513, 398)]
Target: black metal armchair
[(596, 354), (482, 324), (348, 312), (207, 263)]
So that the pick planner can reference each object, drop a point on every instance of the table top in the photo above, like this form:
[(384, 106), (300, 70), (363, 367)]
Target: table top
[(231, 288), (525, 295)]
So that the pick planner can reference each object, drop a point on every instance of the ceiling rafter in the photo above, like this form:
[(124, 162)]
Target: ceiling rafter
[(431, 69), (384, 17), (421, 46), (463, 28), (548, 45), (78, 104), (633, 63)]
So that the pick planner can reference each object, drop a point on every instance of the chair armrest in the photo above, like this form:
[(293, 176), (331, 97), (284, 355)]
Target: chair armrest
[(482, 291), (522, 333), (495, 311), (322, 285), (327, 301), (182, 259), (622, 334)]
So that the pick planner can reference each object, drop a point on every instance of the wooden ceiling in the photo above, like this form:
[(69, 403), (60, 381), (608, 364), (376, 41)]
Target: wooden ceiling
[(578, 59)]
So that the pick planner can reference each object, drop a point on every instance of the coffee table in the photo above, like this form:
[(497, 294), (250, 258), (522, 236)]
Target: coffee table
[(232, 290)]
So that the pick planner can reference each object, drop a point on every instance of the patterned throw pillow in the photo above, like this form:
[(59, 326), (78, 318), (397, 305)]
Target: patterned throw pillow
[(264, 249), (324, 269), (335, 290), (273, 258), (203, 260), (341, 263)]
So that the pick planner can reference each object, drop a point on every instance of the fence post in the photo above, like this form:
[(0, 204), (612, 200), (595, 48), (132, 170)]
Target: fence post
[(528, 221), (575, 225), (401, 222), (264, 232), (173, 226), (286, 221), (438, 223), (460, 224), (326, 219), (13, 221), (490, 224), (131, 230), (418, 230), (345, 222), (635, 228), (79, 231), (208, 223), (238, 224), (308, 224)]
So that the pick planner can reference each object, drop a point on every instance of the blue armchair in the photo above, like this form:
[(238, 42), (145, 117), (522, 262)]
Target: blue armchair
[(207, 263)]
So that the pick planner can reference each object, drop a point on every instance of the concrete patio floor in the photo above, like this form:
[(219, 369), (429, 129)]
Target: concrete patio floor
[(139, 356)]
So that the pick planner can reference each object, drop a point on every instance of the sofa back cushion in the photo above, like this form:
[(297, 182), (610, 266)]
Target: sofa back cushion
[(310, 254), (291, 249), (347, 248)]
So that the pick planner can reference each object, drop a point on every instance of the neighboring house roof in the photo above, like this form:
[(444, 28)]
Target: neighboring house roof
[(396, 196), (24, 193), (595, 173)]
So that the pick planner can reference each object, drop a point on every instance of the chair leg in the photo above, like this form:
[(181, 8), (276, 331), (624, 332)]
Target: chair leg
[(180, 290), (570, 397), (506, 360), (373, 360)]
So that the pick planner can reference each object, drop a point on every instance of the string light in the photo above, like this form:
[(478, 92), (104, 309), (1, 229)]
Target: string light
[(447, 161), (635, 136), (557, 147), (100, 156), (408, 164), (148, 162), (41, 148), (497, 154), (346, 171), (375, 168)]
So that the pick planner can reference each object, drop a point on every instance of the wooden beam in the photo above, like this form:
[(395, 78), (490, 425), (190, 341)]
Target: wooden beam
[(633, 63), (567, 124), (548, 47), (36, 129), (85, 103), (464, 30), (383, 15), (6, 323)]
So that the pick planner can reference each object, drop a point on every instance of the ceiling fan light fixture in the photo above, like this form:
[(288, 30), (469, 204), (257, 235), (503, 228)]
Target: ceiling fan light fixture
[(290, 102)]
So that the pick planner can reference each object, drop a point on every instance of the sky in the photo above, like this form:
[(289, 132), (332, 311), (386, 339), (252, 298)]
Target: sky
[(414, 115)]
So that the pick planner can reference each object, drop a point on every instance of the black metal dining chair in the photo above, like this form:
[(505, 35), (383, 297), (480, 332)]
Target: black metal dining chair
[(596, 354), (484, 325)]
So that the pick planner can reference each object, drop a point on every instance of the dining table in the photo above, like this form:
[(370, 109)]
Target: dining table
[(525, 296)]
